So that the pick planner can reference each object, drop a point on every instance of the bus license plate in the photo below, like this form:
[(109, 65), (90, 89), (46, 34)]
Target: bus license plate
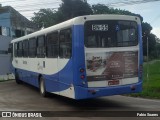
[(113, 82)]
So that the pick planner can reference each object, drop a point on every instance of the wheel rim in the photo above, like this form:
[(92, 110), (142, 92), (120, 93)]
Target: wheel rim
[(42, 86)]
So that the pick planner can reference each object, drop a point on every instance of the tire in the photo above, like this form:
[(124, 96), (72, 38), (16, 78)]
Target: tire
[(42, 87), (18, 81)]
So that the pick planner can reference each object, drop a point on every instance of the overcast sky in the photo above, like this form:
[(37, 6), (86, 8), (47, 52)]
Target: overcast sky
[(149, 11)]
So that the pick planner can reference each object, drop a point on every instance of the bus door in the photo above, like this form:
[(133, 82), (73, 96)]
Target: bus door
[(63, 60)]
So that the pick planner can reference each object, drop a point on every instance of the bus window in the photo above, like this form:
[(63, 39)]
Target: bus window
[(52, 45), (25, 48), (32, 47), (65, 43), (110, 33), (92, 41), (15, 49), (19, 50), (41, 46)]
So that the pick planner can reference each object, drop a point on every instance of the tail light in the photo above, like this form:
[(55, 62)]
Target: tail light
[(81, 70), (82, 76)]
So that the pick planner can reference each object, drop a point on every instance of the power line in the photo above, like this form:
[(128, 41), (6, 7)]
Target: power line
[(33, 4), (28, 10), (123, 3), (155, 19), (14, 1), (133, 2), (31, 7), (109, 4)]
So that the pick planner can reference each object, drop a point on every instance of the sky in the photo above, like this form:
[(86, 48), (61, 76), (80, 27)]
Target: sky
[(148, 9)]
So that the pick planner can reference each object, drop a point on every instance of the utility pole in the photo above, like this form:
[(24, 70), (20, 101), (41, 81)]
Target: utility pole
[(147, 58), (146, 33)]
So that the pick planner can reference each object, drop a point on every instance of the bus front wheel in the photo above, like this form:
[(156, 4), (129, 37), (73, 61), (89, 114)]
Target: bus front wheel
[(42, 87)]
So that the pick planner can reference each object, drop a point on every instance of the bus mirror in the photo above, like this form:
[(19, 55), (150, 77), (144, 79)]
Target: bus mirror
[(9, 50)]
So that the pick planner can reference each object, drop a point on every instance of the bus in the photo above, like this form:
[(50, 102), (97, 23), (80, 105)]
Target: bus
[(84, 57)]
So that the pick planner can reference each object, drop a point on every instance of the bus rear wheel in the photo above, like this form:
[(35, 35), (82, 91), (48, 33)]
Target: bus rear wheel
[(42, 87), (18, 81)]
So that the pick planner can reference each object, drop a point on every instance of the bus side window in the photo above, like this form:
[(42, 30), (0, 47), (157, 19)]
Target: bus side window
[(19, 49), (32, 47), (25, 48), (65, 48), (52, 45), (41, 46), (15, 49)]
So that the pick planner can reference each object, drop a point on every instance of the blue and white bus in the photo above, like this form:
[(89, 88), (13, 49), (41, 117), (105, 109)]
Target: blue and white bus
[(85, 57)]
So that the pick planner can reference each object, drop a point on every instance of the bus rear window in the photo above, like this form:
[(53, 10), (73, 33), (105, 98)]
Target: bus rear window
[(104, 34)]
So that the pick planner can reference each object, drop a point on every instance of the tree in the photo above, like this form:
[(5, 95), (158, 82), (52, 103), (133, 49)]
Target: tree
[(146, 31), (67, 10), (103, 9), (158, 50), (74, 8), (44, 18), (100, 9)]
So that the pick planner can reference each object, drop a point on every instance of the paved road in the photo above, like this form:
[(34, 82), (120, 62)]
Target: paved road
[(27, 98)]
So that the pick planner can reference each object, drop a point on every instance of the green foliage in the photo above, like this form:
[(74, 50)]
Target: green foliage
[(151, 85), (67, 10), (100, 9), (103, 9), (44, 18), (74, 8), (146, 33), (151, 44), (146, 28)]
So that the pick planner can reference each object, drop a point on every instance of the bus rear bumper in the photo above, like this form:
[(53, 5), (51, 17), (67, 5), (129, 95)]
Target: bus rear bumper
[(84, 93)]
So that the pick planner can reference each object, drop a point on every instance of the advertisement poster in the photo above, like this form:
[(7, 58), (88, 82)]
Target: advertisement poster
[(111, 65)]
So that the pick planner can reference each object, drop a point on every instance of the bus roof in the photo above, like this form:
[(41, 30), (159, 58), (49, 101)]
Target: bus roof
[(78, 21)]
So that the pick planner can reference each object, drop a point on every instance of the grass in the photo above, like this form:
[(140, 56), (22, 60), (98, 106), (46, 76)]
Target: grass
[(151, 85)]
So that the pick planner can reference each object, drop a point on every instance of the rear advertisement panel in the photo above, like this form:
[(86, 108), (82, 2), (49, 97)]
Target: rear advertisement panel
[(111, 65)]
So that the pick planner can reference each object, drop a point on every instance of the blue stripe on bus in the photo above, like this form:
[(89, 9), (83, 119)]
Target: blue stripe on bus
[(140, 49), (79, 55), (82, 93), (53, 82)]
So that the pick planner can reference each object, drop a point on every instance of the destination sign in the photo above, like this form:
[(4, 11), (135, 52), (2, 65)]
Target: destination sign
[(100, 27)]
